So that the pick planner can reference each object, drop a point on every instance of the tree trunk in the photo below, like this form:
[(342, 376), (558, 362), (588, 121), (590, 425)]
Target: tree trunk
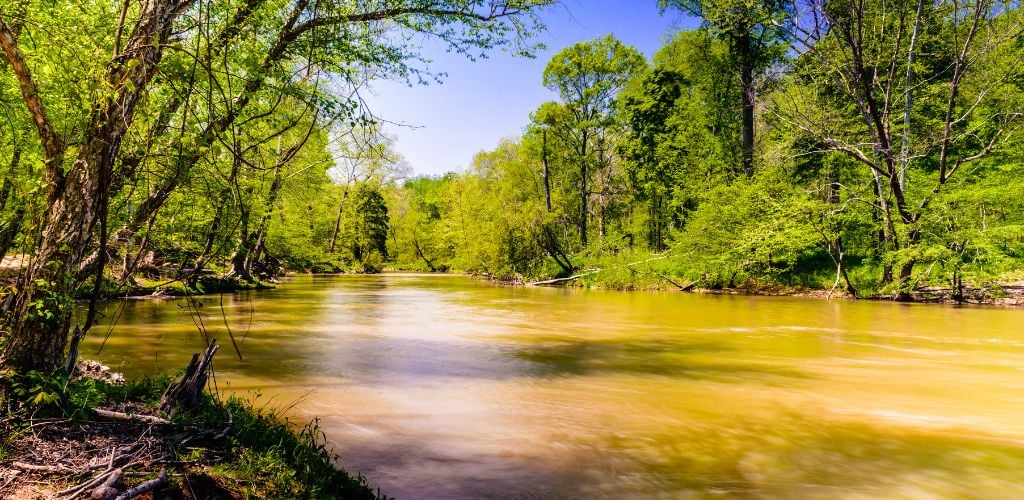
[(187, 392), (909, 99), (240, 257), (211, 232), (748, 94), (337, 222), (583, 190), (547, 171), (9, 232), (886, 233), (419, 252), (41, 313), (261, 228)]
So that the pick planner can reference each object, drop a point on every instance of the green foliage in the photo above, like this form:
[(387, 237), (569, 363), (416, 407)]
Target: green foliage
[(55, 395), (754, 30), (368, 231), (643, 161), (588, 75), (46, 307), (40, 391), (271, 458)]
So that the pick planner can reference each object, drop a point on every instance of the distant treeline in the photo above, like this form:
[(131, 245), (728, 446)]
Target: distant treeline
[(871, 145)]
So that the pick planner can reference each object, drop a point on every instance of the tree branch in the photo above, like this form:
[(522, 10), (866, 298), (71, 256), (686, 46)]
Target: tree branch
[(468, 14), (53, 146)]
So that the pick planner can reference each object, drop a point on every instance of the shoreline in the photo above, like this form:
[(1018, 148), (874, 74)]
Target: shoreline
[(1013, 291), (170, 288)]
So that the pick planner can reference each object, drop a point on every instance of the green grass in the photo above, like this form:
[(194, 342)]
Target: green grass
[(273, 459)]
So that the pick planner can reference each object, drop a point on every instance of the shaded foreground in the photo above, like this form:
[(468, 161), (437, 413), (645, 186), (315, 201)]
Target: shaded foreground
[(226, 449)]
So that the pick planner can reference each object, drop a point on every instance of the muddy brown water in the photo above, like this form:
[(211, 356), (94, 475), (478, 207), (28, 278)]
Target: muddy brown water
[(439, 386)]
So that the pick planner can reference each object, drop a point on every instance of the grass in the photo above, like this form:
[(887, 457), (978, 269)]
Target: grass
[(273, 459)]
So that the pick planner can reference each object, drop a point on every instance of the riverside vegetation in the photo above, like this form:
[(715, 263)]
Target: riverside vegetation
[(868, 148), (175, 135), (865, 147)]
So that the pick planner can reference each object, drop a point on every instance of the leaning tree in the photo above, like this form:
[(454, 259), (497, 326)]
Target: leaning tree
[(124, 76)]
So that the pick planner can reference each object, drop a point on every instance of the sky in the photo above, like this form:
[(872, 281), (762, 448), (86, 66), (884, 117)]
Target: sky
[(440, 127)]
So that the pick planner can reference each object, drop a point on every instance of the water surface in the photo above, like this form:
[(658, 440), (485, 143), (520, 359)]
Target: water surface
[(438, 386)]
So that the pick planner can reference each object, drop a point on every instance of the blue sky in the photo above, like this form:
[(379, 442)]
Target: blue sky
[(483, 101)]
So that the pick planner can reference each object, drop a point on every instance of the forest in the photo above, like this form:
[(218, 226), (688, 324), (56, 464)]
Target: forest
[(868, 148), (862, 148)]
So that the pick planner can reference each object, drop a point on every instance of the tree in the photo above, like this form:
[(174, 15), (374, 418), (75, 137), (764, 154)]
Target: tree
[(369, 228), (121, 82), (587, 76), (363, 155), (679, 130), (756, 39), (852, 89)]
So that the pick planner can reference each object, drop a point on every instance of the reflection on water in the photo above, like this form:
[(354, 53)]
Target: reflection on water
[(437, 386)]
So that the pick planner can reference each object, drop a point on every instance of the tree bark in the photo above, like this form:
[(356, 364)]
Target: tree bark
[(547, 170), (9, 231), (187, 392), (337, 221), (41, 313), (261, 228), (583, 189), (240, 257), (419, 252), (748, 94)]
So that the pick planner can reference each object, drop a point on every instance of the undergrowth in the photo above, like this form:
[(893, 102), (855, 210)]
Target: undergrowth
[(262, 455)]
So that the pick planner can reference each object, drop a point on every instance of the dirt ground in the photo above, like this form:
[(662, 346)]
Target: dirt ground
[(13, 262)]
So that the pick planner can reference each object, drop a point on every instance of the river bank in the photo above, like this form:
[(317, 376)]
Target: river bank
[(443, 386), (1008, 292), (101, 437)]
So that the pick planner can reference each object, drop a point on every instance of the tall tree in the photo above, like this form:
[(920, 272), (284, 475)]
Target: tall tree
[(852, 88), (587, 76), (680, 133), (755, 37)]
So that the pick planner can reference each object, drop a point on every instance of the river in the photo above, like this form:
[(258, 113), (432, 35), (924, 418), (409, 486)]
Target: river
[(439, 386)]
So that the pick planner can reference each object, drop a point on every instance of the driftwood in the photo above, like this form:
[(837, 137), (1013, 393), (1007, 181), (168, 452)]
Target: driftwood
[(92, 483), (145, 487), (595, 271), (109, 478), (187, 392), (110, 487), (682, 288), (50, 469), (144, 419), (559, 280)]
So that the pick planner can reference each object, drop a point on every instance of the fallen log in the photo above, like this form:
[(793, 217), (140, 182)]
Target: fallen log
[(109, 489), (145, 487), (682, 288), (100, 479), (559, 280), (49, 469), (131, 417)]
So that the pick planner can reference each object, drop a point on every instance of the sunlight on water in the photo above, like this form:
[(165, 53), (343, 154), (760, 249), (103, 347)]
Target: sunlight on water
[(438, 386)]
